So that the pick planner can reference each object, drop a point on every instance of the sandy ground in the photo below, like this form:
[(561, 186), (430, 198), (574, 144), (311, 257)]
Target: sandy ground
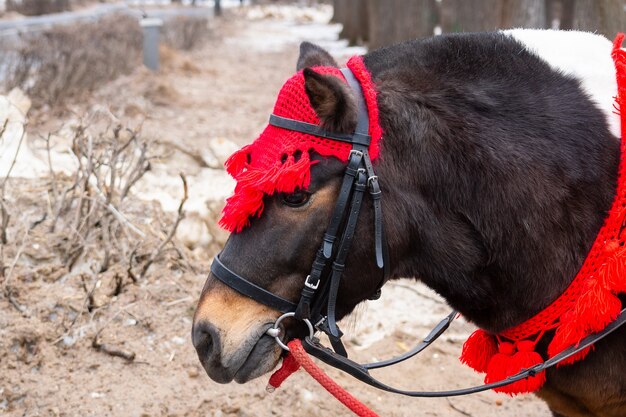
[(48, 365)]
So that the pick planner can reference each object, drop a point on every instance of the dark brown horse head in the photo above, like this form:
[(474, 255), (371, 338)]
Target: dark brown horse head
[(277, 249)]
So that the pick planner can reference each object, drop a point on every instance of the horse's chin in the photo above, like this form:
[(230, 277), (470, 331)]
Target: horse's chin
[(250, 361), (262, 359)]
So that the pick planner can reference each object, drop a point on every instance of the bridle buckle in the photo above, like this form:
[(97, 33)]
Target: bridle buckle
[(308, 284), (355, 152)]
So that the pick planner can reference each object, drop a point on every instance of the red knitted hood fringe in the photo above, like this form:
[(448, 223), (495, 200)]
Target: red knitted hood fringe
[(586, 307), (278, 161)]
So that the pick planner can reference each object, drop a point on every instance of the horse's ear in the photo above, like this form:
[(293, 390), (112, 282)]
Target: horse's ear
[(332, 101), (313, 56)]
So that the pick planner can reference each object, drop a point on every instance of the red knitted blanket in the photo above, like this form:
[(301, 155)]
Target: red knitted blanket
[(586, 307)]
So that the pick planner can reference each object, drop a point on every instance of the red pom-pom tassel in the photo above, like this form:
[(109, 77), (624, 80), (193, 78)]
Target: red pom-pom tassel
[(478, 350), (508, 363)]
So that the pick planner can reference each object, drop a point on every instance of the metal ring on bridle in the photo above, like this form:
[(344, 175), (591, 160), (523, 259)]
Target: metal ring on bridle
[(274, 331)]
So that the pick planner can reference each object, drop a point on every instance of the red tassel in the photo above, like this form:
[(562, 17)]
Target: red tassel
[(596, 308), (259, 180), (569, 333), (612, 275), (498, 366), (478, 350), (238, 209), (295, 174), (254, 184), (508, 363), (288, 367), (236, 163)]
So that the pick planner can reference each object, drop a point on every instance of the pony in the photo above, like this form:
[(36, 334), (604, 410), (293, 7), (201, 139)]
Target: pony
[(498, 160)]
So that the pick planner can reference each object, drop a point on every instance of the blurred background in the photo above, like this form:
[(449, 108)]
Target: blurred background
[(379, 22), (115, 121)]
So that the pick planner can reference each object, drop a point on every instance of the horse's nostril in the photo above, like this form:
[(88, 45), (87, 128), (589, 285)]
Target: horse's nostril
[(204, 337)]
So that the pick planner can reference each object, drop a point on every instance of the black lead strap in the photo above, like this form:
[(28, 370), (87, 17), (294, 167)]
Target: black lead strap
[(433, 335), (361, 373)]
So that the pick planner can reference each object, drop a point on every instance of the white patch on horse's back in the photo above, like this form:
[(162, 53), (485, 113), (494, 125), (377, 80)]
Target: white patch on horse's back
[(583, 55)]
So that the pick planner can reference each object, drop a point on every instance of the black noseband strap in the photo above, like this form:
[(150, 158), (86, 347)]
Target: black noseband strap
[(249, 289)]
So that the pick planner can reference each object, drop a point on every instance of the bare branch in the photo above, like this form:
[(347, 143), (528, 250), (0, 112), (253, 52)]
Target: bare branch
[(180, 216), (4, 214), (457, 409), (111, 350), (17, 151), (6, 289)]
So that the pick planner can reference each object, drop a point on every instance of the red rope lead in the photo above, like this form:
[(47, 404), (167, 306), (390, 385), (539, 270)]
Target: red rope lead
[(298, 357)]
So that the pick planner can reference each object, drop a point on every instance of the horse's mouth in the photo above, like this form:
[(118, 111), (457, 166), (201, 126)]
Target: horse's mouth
[(256, 356), (262, 359)]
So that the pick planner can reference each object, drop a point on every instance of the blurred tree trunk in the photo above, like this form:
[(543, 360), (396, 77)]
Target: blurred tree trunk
[(392, 21), (355, 21), (523, 13), (567, 14), (470, 16), (605, 16), (486, 15), (217, 8), (341, 9)]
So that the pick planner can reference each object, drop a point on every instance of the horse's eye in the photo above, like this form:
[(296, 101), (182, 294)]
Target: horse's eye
[(296, 199)]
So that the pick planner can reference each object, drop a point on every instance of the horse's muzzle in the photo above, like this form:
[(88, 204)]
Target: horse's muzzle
[(229, 335), (256, 355)]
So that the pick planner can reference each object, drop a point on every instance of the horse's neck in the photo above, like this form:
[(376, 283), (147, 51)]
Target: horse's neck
[(492, 198)]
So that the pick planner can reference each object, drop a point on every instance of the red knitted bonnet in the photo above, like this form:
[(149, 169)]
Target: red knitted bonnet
[(279, 159)]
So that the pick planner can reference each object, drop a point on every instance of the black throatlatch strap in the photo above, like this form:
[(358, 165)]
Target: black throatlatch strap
[(344, 248), (249, 289), (362, 128), (342, 202)]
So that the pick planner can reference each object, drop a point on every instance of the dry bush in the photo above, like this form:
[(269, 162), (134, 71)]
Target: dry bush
[(90, 206), (92, 217), (82, 231), (67, 61), (37, 7), (186, 32), (88, 212)]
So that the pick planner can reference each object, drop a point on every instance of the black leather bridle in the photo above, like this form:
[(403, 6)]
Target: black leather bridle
[(318, 299)]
